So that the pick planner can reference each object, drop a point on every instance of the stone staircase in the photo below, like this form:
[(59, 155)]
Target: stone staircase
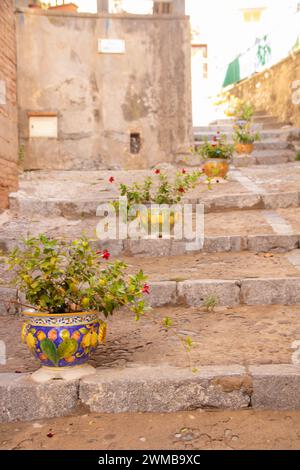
[(277, 144), (249, 263)]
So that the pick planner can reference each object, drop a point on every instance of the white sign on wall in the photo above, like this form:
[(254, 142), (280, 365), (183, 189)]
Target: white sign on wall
[(2, 92), (111, 46), (43, 126)]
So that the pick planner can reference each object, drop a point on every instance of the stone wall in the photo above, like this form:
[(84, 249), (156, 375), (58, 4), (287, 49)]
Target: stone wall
[(276, 90), (102, 99), (8, 105)]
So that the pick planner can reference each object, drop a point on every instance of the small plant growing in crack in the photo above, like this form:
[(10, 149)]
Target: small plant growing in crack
[(210, 303), (297, 157)]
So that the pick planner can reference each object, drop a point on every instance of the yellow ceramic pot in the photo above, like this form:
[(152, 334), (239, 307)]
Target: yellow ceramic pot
[(244, 148), (162, 220), (216, 168)]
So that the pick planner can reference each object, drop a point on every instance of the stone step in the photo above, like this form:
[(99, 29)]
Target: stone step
[(213, 333), (224, 128), (258, 157), (270, 145), (149, 248), (229, 293), (264, 157), (260, 119), (232, 279), (213, 202), (161, 389), (165, 389), (142, 366), (240, 230), (77, 194), (274, 135)]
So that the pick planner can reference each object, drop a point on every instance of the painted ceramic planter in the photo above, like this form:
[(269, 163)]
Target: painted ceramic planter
[(216, 167), (244, 148), (63, 340)]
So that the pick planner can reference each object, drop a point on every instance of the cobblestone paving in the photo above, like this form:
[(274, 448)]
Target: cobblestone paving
[(241, 335)]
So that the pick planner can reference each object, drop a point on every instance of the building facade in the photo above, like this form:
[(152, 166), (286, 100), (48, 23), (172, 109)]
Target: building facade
[(103, 90)]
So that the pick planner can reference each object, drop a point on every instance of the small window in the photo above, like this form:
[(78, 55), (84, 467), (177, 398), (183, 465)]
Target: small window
[(43, 126), (162, 7), (135, 143)]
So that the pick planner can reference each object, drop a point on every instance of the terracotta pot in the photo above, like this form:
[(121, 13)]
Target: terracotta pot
[(216, 167), (62, 340), (244, 148), (66, 7)]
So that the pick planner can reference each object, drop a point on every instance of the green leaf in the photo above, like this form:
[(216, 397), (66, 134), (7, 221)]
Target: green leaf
[(83, 331), (67, 348), (48, 348)]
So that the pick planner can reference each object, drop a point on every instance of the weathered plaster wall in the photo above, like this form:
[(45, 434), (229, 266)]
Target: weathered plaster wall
[(8, 105), (101, 98), (277, 90)]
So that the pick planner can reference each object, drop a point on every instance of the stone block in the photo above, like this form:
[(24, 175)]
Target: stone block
[(156, 247), (280, 200), (284, 291), (276, 386), (234, 201), (240, 161), (165, 389), (162, 293), (194, 293), (21, 399), (264, 243)]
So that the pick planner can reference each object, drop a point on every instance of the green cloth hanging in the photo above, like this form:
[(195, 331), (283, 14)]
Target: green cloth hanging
[(233, 73)]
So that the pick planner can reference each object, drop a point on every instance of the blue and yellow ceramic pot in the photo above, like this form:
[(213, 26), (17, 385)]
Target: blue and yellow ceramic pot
[(62, 340)]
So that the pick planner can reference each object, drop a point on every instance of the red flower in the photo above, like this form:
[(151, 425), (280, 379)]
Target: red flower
[(105, 254), (157, 171), (181, 189), (50, 434), (146, 289), (183, 171), (111, 179), (214, 144)]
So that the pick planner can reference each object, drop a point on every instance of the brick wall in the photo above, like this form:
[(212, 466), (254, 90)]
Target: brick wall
[(8, 103)]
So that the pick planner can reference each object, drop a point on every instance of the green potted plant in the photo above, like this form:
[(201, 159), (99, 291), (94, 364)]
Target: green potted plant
[(217, 154), (70, 290), (244, 137), (159, 190), (243, 111)]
